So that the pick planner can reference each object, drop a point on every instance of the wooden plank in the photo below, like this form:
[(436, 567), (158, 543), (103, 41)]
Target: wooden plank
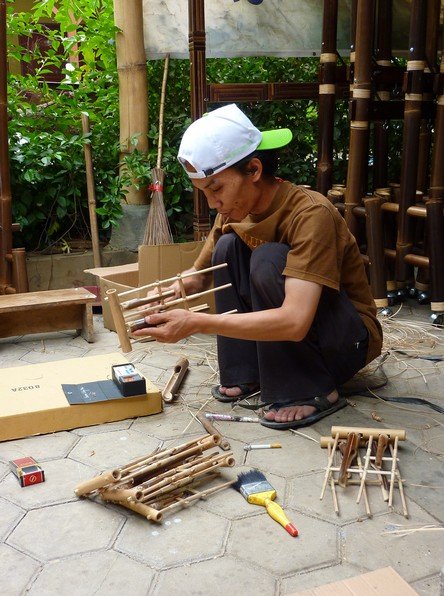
[(41, 300)]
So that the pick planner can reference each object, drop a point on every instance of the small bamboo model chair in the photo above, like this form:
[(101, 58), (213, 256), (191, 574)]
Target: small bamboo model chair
[(129, 308), (348, 441), (155, 484)]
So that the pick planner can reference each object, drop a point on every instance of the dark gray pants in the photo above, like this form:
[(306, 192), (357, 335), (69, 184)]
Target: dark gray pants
[(334, 349)]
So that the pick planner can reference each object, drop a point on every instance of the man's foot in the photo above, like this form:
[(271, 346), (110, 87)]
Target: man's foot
[(237, 391), (295, 412), (234, 393)]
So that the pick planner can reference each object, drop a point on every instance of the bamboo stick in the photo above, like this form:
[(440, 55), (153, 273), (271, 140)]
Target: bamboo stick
[(151, 309), (171, 388), (366, 501), (91, 191), (366, 433), (366, 468), (136, 302), (199, 495), (95, 483), (171, 280), (393, 472), (329, 464)]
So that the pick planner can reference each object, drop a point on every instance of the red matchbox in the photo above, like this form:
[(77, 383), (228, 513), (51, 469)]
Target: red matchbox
[(27, 471)]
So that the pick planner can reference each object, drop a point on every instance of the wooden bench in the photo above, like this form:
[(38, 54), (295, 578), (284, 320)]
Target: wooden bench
[(51, 310)]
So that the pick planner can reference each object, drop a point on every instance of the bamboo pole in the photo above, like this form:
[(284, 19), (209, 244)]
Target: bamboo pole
[(360, 107), (375, 251), (5, 181), (91, 190), (133, 87), (198, 79), (327, 97), (412, 121), (383, 55)]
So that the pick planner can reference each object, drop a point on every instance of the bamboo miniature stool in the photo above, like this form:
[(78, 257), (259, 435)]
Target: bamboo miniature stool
[(130, 307), (46, 311), (155, 484), (348, 441)]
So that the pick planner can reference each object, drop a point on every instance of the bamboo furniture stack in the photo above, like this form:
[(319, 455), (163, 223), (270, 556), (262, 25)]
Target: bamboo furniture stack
[(167, 479), (403, 237), (398, 224), (378, 466)]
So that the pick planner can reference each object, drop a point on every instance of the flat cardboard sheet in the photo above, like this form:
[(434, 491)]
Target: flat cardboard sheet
[(32, 400), (374, 583)]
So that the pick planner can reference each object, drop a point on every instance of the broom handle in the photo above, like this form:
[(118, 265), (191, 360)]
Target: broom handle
[(161, 110)]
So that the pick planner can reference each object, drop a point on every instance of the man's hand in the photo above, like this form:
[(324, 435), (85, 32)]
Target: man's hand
[(170, 326)]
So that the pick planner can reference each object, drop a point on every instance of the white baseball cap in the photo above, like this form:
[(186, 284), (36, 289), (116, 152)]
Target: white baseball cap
[(223, 137)]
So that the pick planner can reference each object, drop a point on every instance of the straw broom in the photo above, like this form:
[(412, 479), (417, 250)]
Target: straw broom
[(158, 229)]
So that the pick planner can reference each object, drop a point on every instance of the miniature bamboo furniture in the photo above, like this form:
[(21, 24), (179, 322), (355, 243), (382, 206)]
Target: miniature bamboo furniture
[(166, 479), (364, 471), (128, 313)]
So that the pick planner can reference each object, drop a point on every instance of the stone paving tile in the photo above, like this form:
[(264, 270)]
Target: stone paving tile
[(9, 516), (428, 587), (262, 541), (106, 451), (174, 542), (217, 577), (52, 354), (413, 556), (106, 573), (4, 469), (41, 448), (67, 529), (103, 428), (318, 577), (61, 478), (305, 491), (16, 570)]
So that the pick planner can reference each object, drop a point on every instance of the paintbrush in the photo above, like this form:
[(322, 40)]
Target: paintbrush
[(256, 489)]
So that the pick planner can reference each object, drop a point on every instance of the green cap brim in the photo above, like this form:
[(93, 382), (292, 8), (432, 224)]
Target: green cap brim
[(274, 139)]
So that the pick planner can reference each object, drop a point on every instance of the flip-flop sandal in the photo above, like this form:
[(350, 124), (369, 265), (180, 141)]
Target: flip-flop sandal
[(322, 405), (245, 389)]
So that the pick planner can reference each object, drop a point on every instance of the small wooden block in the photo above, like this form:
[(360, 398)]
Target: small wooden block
[(51, 310)]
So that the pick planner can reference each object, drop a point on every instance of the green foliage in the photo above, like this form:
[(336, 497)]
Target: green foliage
[(46, 143)]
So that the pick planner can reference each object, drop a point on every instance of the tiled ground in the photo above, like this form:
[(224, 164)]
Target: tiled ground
[(51, 542)]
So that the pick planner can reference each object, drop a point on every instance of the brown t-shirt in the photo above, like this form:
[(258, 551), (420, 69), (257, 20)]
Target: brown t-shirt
[(322, 249)]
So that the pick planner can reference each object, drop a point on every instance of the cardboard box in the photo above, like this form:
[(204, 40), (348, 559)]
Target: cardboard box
[(155, 263), (32, 400), (381, 581)]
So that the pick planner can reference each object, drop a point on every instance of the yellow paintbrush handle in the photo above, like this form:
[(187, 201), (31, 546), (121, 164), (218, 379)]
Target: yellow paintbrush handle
[(277, 513)]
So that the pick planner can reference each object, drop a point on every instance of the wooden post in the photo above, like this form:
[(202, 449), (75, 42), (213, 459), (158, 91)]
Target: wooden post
[(360, 106), (133, 85), (327, 90), (196, 24)]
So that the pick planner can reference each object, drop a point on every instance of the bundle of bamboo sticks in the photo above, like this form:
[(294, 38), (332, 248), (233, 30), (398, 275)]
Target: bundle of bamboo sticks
[(155, 484)]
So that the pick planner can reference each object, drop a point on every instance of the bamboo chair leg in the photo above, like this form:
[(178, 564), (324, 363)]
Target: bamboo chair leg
[(119, 321), (329, 464), (333, 487), (366, 466), (366, 501), (393, 472)]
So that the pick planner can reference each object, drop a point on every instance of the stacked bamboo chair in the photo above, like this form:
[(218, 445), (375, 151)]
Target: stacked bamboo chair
[(398, 225)]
